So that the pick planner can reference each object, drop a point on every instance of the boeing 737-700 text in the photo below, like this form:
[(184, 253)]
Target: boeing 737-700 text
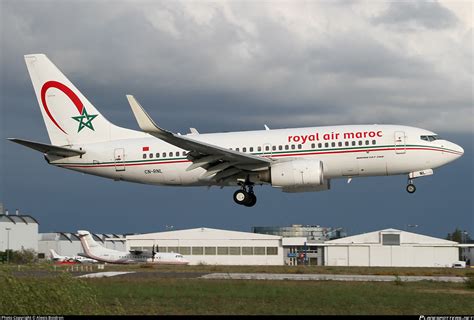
[(294, 160)]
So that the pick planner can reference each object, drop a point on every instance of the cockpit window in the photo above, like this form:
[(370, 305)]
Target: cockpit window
[(429, 138)]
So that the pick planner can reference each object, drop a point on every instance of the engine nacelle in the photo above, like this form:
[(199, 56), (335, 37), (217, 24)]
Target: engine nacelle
[(297, 173)]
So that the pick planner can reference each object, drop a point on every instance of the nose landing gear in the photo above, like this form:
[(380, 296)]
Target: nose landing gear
[(245, 196)]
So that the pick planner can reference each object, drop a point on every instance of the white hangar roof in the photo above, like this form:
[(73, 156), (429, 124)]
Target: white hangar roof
[(406, 237), (203, 234)]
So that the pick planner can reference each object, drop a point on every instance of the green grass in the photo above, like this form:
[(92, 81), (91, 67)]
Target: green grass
[(63, 294), (192, 296)]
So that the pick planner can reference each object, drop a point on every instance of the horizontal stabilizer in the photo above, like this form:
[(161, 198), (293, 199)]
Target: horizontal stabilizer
[(49, 149)]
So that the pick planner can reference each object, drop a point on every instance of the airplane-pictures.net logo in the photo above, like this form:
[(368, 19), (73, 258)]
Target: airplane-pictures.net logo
[(84, 119)]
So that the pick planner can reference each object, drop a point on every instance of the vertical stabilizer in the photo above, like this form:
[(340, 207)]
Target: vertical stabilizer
[(69, 117), (90, 246)]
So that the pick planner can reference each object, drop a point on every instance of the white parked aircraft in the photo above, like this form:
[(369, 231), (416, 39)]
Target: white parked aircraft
[(57, 257), (294, 160), (95, 251)]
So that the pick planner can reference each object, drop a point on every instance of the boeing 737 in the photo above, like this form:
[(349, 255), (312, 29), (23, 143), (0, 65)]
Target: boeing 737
[(59, 258), (95, 251), (293, 160)]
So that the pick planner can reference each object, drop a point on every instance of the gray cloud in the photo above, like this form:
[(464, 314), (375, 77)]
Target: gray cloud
[(234, 65), (419, 13)]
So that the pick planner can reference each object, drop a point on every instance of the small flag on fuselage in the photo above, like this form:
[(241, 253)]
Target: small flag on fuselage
[(146, 148)]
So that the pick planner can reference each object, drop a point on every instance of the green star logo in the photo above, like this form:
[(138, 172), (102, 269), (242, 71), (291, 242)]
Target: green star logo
[(85, 120)]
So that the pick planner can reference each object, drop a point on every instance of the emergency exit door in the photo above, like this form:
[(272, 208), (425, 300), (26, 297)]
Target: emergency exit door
[(119, 157)]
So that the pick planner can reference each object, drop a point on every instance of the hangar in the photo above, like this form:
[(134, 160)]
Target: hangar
[(391, 248), (213, 246), (18, 232)]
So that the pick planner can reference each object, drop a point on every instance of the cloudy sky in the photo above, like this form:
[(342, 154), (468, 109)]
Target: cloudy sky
[(238, 65)]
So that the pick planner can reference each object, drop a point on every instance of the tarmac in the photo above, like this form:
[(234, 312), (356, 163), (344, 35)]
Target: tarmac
[(325, 277)]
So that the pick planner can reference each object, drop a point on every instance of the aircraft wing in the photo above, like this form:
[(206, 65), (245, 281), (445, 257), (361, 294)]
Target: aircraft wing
[(219, 162)]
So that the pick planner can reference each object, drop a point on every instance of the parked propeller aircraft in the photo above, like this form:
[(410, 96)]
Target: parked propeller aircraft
[(94, 250), (293, 160)]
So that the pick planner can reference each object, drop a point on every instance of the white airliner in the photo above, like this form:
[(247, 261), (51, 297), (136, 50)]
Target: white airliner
[(57, 257), (293, 160), (95, 251)]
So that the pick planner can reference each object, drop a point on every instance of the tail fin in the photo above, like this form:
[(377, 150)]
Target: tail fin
[(54, 254), (90, 246), (69, 117)]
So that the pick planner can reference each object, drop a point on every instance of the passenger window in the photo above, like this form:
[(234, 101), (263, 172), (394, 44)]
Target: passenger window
[(244, 149), (151, 155), (313, 145), (144, 156), (171, 154), (360, 142), (287, 147), (367, 142), (157, 155), (164, 154), (259, 148), (177, 153), (274, 148), (280, 147), (333, 144), (300, 146), (251, 149), (347, 143), (340, 144), (374, 142), (320, 145), (326, 145), (353, 143), (184, 154), (292, 147), (267, 148)]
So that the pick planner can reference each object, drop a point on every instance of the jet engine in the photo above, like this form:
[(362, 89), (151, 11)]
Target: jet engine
[(296, 176)]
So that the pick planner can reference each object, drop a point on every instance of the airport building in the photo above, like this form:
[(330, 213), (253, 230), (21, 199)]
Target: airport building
[(391, 248), (69, 244), (213, 246), (302, 244), (298, 244), (17, 231)]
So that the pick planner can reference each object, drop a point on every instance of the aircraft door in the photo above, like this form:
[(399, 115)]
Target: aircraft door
[(400, 144), (119, 157)]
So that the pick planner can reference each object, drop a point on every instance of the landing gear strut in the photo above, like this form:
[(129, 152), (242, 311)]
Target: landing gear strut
[(411, 187), (245, 196)]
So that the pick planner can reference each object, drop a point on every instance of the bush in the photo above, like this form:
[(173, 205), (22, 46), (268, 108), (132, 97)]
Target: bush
[(19, 257)]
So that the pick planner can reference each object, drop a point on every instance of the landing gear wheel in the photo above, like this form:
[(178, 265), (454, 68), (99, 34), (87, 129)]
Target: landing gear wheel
[(251, 201), (411, 188), (241, 197)]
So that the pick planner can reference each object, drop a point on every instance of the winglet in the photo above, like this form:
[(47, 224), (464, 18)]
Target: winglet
[(145, 122)]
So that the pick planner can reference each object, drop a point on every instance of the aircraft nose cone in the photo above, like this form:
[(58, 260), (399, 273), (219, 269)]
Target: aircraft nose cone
[(459, 149)]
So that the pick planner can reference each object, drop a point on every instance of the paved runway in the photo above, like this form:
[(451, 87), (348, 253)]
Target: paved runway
[(323, 277)]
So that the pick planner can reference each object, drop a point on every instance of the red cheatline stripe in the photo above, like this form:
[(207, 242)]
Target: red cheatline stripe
[(273, 156)]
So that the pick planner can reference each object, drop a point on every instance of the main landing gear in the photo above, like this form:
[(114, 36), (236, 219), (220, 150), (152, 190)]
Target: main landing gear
[(245, 196), (411, 187)]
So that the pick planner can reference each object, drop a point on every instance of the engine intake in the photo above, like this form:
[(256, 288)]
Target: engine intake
[(297, 173)]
